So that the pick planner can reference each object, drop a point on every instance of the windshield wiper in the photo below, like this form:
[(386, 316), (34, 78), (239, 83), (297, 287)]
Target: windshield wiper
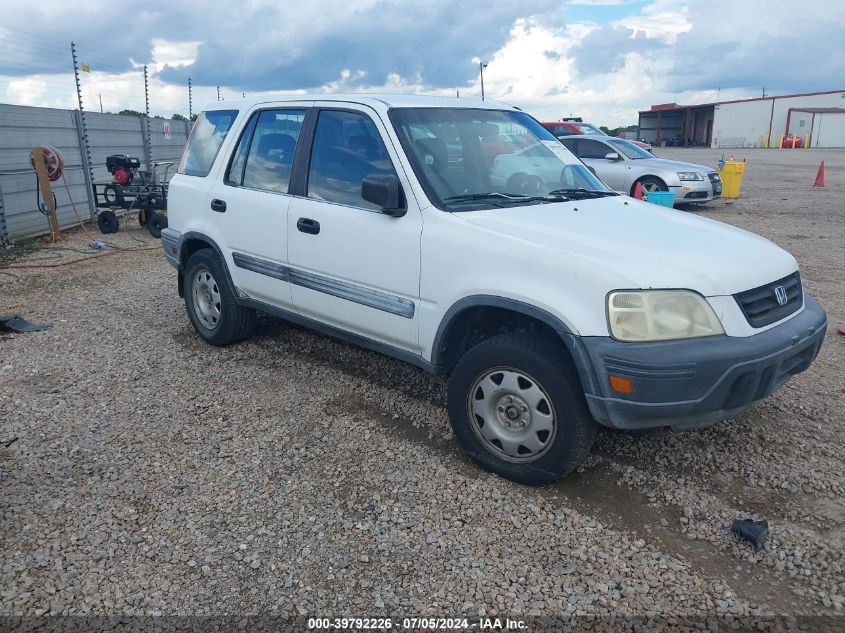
[(580, 192), (517, 198)]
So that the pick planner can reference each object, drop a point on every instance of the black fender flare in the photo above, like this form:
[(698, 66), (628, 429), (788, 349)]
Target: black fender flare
[(202, 237), (571, 340)]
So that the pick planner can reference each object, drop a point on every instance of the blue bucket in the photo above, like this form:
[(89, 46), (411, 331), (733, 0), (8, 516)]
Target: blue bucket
[(663, 198)]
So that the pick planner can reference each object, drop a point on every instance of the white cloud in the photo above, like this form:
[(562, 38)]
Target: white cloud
[(677, 50)]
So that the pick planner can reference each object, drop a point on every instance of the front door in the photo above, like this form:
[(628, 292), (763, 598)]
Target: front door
[(352, 266), (252, 201)]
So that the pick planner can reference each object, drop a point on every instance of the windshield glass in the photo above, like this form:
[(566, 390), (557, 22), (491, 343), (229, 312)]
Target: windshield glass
[(468, 159), (586, 128), (629, 149)]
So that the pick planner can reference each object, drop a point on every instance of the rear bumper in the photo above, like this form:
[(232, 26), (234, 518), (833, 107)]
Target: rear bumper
[(695, 382), (171, 242)]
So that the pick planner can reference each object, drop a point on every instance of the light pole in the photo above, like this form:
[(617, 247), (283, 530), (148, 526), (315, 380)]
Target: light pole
[(481, 66)]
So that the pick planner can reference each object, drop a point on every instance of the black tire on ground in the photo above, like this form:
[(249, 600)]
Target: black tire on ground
[(650, 183), (205, 281), (546, 362), (107, 222), (155, 223)]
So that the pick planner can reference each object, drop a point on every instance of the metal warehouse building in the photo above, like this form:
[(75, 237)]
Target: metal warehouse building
[(816, 118)]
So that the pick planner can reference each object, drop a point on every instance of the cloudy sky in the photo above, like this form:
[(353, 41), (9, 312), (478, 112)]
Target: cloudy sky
[(600, 59)]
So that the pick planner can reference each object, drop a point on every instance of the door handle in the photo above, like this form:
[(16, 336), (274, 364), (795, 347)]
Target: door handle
[(218, 205), (307, 225)]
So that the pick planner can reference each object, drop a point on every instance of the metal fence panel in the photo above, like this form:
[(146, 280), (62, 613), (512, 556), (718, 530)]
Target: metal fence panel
[(24, 127), (21, 129), (165, 149), (110, 134)]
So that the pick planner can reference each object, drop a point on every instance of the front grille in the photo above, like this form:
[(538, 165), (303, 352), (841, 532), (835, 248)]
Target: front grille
[(692, 195), (761, 306)]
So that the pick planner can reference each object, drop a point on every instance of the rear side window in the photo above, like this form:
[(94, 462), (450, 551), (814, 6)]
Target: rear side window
[(269, 159), (207, 135), (592, 149), (347, 148)]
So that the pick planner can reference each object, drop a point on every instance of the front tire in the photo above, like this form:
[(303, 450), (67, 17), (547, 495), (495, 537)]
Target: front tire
[(212, 308), (650, 183), (517, 408)]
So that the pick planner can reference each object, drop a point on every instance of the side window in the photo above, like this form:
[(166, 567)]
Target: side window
[(347, 148), (592, 149), (570, 144), (207, 135), (235, 172), (269, 157)]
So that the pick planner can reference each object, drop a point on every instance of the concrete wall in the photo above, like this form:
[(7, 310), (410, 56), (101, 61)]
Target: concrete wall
[(23, 127)]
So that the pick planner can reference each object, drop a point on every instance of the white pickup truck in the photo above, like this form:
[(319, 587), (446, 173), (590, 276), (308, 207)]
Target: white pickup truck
[(550, 301)]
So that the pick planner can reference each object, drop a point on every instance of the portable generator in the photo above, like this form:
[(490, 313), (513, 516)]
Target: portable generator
[(132, 188)]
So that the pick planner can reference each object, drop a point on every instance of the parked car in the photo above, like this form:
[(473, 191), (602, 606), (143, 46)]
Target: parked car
[(550, 311), (568, 128), (537, 170), (621, 164)]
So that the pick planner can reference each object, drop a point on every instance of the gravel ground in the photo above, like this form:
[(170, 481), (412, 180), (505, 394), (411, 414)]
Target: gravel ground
[(294, 474)]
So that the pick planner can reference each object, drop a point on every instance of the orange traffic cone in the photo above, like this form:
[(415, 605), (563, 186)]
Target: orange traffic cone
[(820, 176), (638, 191)]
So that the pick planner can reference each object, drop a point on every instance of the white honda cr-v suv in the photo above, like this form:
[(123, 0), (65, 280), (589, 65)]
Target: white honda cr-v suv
[(551, 302)]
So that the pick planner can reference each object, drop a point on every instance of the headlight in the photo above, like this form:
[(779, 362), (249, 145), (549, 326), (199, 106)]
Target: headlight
[(660, 315), (689, 175)]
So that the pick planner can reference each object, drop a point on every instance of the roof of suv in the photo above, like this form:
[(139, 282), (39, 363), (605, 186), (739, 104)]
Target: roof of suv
[(377, 101)]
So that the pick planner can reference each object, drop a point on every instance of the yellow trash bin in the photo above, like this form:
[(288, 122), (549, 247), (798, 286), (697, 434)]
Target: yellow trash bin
[(731, 175)]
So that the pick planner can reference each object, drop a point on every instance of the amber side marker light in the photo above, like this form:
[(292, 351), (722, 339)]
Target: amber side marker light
[(620, 384)]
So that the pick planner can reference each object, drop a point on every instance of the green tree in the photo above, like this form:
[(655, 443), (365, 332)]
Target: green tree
[(179, 117), (131, 113)]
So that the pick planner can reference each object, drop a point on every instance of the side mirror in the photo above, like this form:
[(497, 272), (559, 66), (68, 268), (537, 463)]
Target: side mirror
[(384, 190), (612, 156)]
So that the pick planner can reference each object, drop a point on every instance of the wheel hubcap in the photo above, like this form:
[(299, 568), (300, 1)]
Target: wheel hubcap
[(206, 297), (512, 415)]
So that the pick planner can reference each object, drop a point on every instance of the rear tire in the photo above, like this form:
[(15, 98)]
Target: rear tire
[(212, 309), (517, 407)]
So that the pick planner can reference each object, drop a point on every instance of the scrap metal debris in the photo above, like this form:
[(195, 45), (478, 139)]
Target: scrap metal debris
[(755, 532), (17, 323)]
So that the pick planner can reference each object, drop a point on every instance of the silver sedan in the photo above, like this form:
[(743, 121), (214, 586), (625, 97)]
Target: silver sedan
[(621, 165)]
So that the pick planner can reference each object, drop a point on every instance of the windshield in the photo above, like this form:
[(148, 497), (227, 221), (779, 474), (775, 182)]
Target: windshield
[(586, 128), (468, 159), (629, 149)]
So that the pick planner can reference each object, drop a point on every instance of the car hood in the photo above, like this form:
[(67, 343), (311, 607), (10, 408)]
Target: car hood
[(635, 244), (671, 165)]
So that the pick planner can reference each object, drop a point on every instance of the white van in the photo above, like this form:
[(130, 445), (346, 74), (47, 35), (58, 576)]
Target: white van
[(550, 301)]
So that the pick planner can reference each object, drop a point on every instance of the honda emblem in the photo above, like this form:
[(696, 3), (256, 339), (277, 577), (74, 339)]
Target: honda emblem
[(780, 295)]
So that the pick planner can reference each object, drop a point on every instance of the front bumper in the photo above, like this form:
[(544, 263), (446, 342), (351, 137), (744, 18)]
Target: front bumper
[(696, 191), (695, 382)]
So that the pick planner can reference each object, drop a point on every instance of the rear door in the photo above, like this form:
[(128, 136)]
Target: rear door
[(352, 266), (613, 172), (250, 203)]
